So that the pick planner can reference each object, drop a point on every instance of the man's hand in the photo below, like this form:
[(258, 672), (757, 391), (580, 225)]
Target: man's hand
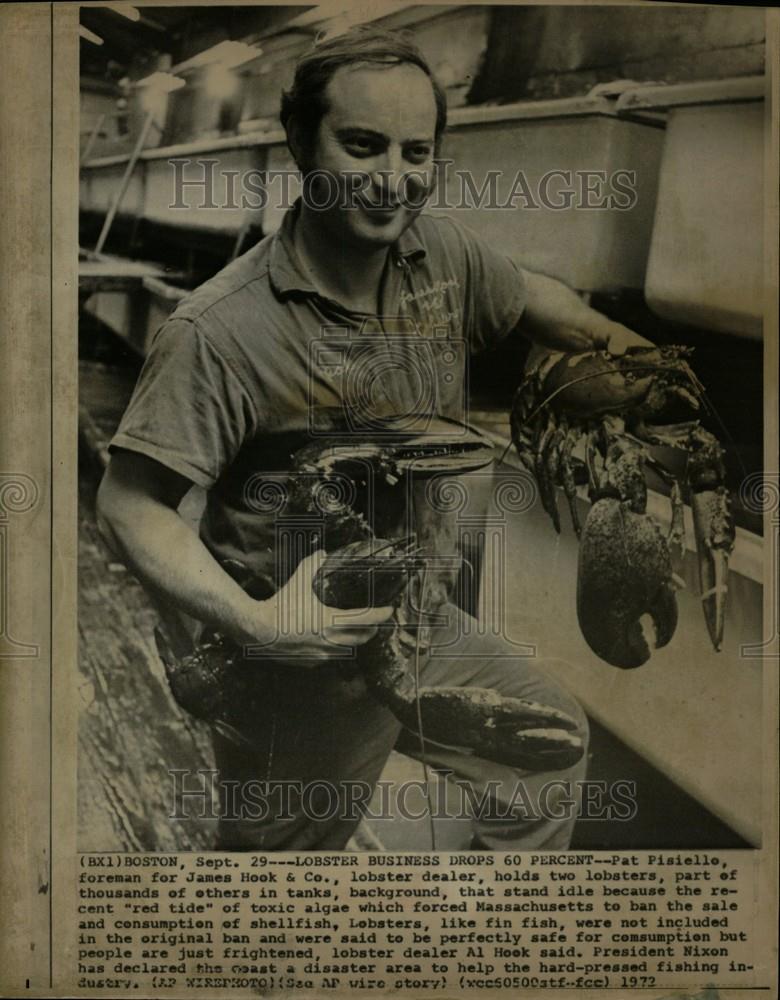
[(137, 512), (614, 337), (301, 626), (556, 317)]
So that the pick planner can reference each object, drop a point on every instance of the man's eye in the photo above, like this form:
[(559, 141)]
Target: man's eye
[(418, 154), (360, 147)]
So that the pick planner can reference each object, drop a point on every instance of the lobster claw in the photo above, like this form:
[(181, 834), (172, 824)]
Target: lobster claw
[(473, 720), (504, 729), (714, 528), (476, 720), (625, 581)]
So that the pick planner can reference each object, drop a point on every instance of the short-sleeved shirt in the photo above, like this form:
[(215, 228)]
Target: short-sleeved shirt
[(253, 364)]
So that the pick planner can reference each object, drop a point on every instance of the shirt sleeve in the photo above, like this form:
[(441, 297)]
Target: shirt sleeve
[(495, 291), (189, 410)]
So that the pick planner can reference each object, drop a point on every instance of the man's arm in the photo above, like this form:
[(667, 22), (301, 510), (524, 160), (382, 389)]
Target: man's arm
[(557, 318), (137, 514)]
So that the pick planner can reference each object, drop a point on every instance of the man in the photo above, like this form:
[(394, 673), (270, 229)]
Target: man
[(226, 395)]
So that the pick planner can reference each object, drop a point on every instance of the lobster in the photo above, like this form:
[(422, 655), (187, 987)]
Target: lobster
[(593, 416), (352, 491)]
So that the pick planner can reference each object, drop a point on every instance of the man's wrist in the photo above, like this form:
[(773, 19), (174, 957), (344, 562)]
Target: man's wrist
[(255, 621)]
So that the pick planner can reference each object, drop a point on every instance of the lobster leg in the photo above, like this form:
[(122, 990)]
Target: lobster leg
[(545, 466), (553, 467), (677, 529), (593, 462), (522, 432), (567, 474), (625, 465), (676, 538)]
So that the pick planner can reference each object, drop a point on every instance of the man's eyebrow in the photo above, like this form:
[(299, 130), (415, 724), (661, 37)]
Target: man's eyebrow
[(351, 130)]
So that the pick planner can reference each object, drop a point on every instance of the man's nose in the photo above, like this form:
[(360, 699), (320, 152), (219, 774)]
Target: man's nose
[(388, 175)]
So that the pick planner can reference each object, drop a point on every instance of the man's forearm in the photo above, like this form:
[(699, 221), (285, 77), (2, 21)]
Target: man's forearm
[(556, 317), (174, 565)]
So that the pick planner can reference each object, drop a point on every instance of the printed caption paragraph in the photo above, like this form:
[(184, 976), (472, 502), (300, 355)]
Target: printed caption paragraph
[(413, 922)]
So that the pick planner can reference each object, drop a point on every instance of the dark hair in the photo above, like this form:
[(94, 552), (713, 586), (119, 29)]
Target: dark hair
[(305, 100)]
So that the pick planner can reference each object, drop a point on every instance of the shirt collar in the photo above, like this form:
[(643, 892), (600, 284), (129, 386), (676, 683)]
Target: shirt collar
[(285, 268), (409, 246), (287, 272)]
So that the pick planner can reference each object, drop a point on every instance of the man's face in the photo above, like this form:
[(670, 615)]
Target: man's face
[(377, 139)]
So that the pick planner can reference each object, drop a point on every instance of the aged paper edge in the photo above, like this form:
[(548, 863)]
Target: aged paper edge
[(38, 416)]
